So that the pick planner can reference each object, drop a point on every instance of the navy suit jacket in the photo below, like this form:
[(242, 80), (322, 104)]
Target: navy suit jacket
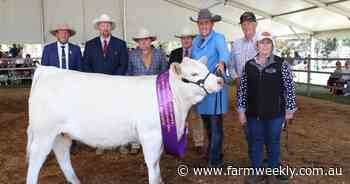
[(115, 62), (50, 56), (176, 56)]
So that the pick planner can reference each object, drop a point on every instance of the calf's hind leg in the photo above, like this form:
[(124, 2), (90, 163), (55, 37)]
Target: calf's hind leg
[(38, 151), (61, 148)]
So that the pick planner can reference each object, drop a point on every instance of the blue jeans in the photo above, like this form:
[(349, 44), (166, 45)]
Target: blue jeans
[(213, 124), (246, 136), (262, 132), (248, 140)]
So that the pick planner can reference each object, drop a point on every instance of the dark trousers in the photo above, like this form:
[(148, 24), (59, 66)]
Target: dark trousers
[(264, 132), (214, 126), (248, 140)]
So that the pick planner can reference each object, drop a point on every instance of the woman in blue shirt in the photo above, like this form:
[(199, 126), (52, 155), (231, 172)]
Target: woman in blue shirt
[(146, 60)]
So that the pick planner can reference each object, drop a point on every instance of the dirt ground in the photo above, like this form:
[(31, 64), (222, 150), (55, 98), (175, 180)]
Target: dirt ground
[(318, 137)]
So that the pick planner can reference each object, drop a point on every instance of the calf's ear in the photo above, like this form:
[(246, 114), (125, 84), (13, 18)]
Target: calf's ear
[(176, 68), (203, 60)]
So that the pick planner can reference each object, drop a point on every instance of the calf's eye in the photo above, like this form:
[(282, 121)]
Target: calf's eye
[(194, 74)]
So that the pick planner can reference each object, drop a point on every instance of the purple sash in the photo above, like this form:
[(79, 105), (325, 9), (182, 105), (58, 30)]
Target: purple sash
[(167, 118)]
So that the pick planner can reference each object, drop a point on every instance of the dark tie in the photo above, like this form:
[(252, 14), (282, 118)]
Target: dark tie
[(186, 53), (202, 41), (63, 57), (105, 46)]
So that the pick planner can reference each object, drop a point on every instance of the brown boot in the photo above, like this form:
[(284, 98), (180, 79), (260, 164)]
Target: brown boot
[(272, 180), (254, 179)]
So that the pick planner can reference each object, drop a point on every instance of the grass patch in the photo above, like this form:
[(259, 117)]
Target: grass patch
[(321, 93)]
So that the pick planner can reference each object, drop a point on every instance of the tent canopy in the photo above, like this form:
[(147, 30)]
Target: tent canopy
[(30, 21)]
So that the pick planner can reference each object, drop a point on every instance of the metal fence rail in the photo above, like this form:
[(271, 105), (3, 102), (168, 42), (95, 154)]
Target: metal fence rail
[(14, 71), (308, 71)]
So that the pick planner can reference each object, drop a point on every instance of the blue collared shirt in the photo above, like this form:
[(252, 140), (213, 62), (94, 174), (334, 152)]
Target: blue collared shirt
[(215, 49), (137, 67)]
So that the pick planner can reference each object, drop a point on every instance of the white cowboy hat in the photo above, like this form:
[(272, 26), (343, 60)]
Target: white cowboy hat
[(62, 26), (185, 32), (144, 33), (104, 18)]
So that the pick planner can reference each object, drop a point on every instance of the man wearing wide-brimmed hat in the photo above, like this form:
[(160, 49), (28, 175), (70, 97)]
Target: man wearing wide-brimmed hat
[(186, 36), (212, 45), (105, 53), (61, 53)]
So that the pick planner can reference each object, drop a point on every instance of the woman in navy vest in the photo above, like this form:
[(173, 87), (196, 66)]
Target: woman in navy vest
[(265, 100)]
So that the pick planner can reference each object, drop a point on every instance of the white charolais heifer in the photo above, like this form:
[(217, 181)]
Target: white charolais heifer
[(107, 111)]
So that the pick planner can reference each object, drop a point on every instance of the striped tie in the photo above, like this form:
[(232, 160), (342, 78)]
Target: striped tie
[(64, 66)]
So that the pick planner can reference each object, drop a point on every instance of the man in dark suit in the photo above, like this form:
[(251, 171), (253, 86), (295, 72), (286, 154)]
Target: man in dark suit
[(62, 54), (105, 54), (186, 37)]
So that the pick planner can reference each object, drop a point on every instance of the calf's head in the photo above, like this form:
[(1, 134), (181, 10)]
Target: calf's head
[(194, 79)]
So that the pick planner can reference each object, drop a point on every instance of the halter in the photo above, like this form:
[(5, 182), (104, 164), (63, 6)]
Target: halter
[(200, 82)]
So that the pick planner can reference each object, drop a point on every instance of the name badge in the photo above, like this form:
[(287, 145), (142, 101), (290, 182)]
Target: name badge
[(271, 70)]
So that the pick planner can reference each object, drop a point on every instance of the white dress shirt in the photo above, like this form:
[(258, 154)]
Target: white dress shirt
[(184, 51), (102, 40), (66, 50)]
